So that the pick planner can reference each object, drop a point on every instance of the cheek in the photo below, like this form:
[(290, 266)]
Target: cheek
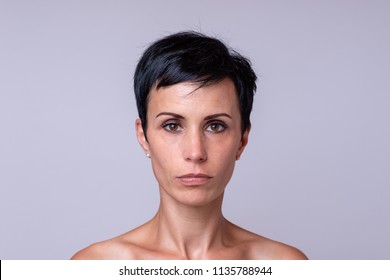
[(224, 154), (164, 154), (167, 152), (226, 148)]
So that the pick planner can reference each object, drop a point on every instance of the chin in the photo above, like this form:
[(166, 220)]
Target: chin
[(199, 198)]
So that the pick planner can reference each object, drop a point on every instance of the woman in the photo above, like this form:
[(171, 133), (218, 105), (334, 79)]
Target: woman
[(194, 99)]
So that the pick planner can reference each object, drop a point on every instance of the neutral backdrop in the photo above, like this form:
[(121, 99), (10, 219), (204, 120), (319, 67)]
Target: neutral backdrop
[(316, 173)]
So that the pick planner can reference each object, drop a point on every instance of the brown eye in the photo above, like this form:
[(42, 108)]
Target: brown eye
[(172, 127), (216, 127)]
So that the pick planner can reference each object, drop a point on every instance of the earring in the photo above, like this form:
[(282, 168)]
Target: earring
[(147, 155)]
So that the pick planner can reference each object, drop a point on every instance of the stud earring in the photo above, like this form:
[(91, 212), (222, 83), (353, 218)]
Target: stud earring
[(147, 155)]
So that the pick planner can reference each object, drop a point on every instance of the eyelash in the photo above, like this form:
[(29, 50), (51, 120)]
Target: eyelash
[(221, 125), (167, 124)]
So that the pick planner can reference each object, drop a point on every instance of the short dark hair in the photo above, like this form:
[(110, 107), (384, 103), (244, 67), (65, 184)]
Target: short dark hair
[(195, 57)]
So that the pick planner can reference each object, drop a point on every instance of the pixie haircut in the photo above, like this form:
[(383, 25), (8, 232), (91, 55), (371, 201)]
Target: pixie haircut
[(193, 57)]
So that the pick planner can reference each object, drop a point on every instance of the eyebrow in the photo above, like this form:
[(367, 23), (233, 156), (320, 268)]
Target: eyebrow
[(181, 117), (170, 114), (218, 115)]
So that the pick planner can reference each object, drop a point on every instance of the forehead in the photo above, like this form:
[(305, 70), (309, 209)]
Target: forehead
[(189, 96)]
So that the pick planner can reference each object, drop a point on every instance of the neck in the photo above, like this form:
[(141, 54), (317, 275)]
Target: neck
[(190, 230)]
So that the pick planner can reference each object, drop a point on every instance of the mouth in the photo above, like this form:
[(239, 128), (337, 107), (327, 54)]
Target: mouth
[(194, 179)]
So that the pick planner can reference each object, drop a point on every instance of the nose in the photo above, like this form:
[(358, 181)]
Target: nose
[(195, 147)]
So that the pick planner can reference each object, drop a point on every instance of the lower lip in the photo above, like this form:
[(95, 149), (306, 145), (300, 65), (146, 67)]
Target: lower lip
[(194, 181)]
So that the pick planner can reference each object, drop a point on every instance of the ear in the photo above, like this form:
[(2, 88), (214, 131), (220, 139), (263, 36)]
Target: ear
[(141, 136), (243, 143)]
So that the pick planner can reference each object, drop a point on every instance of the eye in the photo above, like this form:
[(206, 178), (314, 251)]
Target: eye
[(171, 126), (216, 127)]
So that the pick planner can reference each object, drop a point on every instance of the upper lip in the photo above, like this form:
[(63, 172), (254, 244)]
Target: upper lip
[(195, 175)]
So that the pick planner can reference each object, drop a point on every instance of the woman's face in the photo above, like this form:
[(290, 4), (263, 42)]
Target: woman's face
[(194, 138)]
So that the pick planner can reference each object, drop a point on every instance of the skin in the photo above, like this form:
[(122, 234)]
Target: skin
[(194, 139)]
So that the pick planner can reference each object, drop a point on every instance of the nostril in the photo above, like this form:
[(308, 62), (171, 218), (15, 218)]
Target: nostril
[(196, 158), (202, 158), (196, 154)]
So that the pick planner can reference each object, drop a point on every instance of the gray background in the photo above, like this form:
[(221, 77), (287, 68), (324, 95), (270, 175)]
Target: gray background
[(315, 173)]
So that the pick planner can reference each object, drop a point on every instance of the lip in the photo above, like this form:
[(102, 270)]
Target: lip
[(193, 179)]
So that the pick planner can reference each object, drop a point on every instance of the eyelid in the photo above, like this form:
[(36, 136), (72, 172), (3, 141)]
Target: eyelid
[(217, 122), (173, 121), (168, 122)]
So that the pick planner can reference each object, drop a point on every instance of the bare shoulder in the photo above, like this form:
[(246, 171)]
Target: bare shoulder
[(113, 249), (131, 245), (259, 247), (264, 248)]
